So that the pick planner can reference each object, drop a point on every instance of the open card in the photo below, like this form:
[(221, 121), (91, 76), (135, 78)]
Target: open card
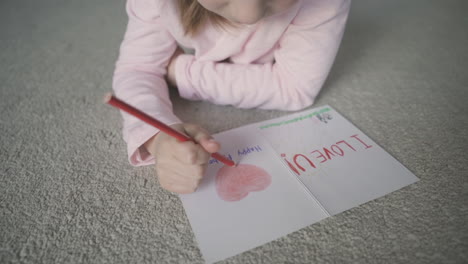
[(292, 172)]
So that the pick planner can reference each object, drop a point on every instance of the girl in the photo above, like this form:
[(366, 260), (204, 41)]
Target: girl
[(268, 54)]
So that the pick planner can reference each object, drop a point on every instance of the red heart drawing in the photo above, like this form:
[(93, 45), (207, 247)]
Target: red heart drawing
[(235, 183)]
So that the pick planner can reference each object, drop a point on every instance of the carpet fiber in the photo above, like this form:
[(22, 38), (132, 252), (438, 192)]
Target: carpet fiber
[(68, 194)]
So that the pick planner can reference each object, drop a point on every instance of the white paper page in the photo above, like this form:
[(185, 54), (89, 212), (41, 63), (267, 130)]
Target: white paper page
[(351, 170), (226, 228)]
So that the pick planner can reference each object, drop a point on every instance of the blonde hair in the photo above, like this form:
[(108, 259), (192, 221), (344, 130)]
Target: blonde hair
[(194, 16)]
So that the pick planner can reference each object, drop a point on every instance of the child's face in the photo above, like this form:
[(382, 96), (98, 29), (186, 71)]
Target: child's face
[(246, 11)]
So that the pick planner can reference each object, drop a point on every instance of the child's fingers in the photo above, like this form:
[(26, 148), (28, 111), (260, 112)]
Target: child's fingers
[(210, 145), (180, 179), (202, 137), (196, 152), (189, 153), (176, 170), (196, 132), (177, 186)]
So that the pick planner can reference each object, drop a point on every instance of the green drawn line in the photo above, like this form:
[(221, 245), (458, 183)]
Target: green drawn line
[(297, 119)]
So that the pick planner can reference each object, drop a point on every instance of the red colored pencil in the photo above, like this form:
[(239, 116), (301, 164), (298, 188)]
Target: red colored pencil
[(112, 100)]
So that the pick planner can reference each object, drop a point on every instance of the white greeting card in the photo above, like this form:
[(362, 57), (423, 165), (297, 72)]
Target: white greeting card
[(292, 171)]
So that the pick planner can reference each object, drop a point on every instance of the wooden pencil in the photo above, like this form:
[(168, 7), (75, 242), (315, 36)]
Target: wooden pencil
[(114, 101)]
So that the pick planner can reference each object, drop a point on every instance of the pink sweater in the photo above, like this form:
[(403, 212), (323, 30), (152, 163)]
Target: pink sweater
[(279, 63)]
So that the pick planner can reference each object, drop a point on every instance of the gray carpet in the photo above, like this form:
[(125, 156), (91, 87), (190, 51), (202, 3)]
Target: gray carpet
[(68, 194)]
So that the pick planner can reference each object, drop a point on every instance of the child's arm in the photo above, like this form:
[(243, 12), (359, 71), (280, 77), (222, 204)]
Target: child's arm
[(302, 62), (139, 75)]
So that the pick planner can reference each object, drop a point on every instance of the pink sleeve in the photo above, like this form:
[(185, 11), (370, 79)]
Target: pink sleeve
[(303, 60), (139, 75)]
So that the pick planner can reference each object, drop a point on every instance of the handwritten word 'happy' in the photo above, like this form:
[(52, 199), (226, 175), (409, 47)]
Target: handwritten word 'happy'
[(248, 150)]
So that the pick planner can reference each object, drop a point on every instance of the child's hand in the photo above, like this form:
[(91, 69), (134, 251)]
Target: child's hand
[(180, 166), (171, 78)]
